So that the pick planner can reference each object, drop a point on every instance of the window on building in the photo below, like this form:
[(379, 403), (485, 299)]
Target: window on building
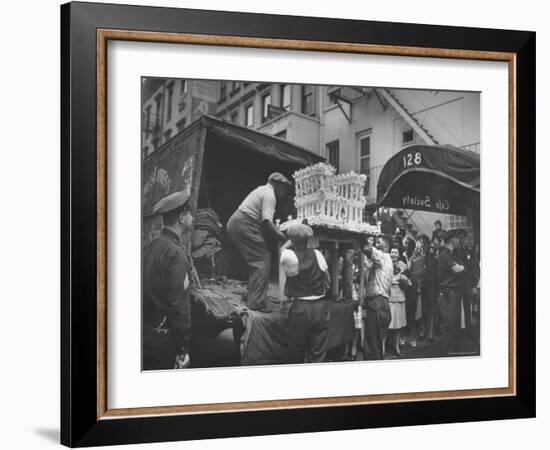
[(183, 93), (234, 117), (285, 96), (249, 115), (158, 105), (332, 93), (167, 134), (364, 160), (407, 136), (333, 154), (266, 101), (169, 95), (455, 222), (223, 91), (147, 119), (180, 124), (308, 100), (235, 87)]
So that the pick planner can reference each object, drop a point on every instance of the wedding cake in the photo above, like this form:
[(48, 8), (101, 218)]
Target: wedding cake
[(326, 199)]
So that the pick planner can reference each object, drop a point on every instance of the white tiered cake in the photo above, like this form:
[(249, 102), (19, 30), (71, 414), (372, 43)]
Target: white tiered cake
[(326, 199)]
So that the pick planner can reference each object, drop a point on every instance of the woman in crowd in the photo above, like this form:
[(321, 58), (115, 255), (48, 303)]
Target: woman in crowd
[(397, 300), (415, 262), (429, 286)]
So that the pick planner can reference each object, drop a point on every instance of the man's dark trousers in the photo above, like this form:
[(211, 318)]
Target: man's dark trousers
[(377, 321), (449, 306)]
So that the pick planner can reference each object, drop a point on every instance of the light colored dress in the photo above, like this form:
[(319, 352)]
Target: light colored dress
[(397, 300)]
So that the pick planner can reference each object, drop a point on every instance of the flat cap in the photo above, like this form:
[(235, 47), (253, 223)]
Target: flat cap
[(299, 231), (279, 178), (448, 235), (171, 202)]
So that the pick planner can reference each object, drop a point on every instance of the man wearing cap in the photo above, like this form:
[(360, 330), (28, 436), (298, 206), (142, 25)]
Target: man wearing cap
[(463, 256), (250, 228), (166, 308), (306, 284), (449, 275), (377, 294)]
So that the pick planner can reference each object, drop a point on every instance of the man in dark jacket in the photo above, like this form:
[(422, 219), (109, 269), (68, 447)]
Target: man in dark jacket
[(450, 277), (463, 255), (166, 313)]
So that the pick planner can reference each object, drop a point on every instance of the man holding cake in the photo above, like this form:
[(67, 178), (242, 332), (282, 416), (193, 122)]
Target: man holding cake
[(251, 228), (307, 283), (377, 296)]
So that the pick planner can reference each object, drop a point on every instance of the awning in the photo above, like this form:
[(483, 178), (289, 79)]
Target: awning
[(436, 178)]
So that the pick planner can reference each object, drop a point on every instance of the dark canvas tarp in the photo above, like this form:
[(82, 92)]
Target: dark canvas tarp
[(177, 164), (220, 163), (440, 179), (266, 144)]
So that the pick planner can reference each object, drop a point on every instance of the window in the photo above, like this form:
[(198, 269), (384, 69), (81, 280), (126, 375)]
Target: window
[(285, 96), (234, 117), (235, 87), (364, 160), (308, 100), (183, 93), (180, 124), (266, 101), (158, 103), (407, 136), (249, 115), (167, 134), (332, 93), (333, 154), (169, 95), (455, 222), (223, 91), (147, 121)]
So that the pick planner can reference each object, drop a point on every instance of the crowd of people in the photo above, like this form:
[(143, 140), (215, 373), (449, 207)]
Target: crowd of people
[(417, 288), (431, 288)]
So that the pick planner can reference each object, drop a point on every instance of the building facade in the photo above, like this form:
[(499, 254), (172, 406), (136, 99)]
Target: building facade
[(354, 128), (170, 105)]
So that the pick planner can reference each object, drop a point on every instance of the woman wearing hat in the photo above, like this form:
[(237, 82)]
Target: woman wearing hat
[(250, 228), (307, 282)]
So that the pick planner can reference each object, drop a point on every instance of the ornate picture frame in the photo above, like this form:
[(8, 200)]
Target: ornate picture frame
[(86, 29)]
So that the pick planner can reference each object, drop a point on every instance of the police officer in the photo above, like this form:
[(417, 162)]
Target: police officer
[(450, 277), (166, 305), (464, 257)]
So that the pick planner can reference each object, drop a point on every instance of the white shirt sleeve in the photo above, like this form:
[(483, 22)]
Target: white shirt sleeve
[(321, 261), (289, 262), (268, 204)]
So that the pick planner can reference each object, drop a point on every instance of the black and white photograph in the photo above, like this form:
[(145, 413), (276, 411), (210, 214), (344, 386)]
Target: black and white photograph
[(288, 223)]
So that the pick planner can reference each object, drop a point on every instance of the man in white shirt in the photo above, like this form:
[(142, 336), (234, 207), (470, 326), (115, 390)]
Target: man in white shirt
[(250, 228), (377, 296), (307, 282)]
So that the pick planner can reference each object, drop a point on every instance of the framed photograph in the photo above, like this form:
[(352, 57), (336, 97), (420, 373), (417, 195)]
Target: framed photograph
[(279, 224)]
